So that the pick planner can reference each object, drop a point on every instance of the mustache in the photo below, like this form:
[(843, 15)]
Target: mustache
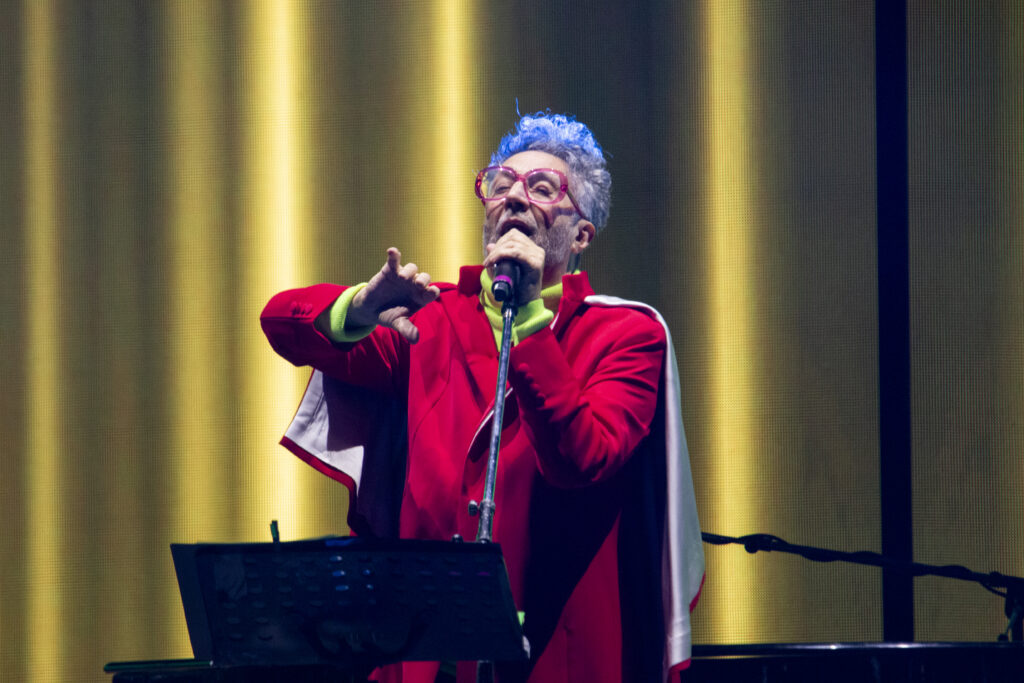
[(511, 224)]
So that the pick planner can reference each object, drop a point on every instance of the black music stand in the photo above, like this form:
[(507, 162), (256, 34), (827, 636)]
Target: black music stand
[(350, 604)]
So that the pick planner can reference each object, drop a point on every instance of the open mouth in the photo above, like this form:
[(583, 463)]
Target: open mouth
[(509, 225)]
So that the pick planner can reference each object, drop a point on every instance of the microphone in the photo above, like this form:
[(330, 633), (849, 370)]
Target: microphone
[(506, 279)]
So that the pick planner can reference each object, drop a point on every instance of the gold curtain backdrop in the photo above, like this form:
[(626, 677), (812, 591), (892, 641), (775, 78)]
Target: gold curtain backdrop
[(165, 167), (966, 115)]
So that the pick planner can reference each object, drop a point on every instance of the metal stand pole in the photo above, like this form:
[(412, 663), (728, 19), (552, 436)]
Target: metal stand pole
[(485, 670), (486, 506)]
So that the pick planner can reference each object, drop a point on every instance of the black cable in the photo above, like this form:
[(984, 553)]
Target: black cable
[(753, 543)]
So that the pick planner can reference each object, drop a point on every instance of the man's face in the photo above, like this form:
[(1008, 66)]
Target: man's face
[(552, 227)]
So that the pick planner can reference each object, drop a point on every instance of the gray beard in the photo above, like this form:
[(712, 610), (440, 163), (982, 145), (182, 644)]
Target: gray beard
[(558, 249)]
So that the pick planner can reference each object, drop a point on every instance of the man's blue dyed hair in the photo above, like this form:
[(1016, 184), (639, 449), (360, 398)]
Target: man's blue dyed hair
[(571, 141)]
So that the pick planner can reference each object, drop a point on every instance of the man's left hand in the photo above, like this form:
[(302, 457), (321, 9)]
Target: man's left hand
[(516, 246)]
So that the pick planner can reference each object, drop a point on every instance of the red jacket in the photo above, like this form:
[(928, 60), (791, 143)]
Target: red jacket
[(584, 395)]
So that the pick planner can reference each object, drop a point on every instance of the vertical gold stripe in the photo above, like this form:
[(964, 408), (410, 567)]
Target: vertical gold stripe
[(196, 223), (459, 216), (46, 596), (196, 309), (728, 198), (1012, 76), (275, 249)]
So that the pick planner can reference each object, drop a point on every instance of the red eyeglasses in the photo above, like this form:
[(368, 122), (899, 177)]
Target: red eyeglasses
[(542, 185)]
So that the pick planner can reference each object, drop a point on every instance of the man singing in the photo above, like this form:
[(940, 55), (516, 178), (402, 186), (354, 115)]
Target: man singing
[(595, 510)]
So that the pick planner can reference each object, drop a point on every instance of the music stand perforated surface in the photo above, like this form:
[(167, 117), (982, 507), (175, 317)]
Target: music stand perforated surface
[(352, 602)]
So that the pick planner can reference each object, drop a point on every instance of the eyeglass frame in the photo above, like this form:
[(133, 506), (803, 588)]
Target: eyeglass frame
[(521, 177)]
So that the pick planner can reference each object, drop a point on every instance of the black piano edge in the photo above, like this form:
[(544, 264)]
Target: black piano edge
[(814, 649)]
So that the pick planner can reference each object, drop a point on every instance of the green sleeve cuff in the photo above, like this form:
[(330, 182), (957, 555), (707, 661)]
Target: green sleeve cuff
[(530, 318), (339, 310)]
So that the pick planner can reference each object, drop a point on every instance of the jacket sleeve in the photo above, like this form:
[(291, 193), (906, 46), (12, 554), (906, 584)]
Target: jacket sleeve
[(586, 419), (377, 362)]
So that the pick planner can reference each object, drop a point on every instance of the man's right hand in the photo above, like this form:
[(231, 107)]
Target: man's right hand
[(391, 297)]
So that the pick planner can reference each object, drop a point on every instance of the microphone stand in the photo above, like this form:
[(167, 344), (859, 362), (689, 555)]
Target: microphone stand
[(1013, 586), (485, 670), (486, 506)]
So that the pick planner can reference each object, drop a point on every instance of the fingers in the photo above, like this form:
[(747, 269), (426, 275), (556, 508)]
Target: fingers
[(427, 290), (398, 291), (398, 319), (509, 245), (408, 331), (393, 260), (516, 246), (408, 272)]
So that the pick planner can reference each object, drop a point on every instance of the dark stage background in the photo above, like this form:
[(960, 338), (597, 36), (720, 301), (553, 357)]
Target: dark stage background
[(167, 166)]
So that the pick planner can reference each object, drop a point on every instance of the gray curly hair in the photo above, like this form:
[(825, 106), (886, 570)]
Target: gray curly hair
[(571, 141)]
